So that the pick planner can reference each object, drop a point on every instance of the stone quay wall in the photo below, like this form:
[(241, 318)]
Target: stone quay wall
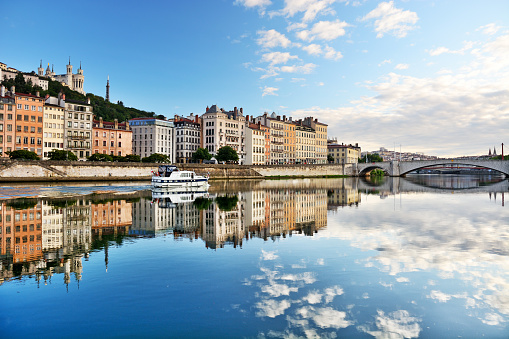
[(22, 171)]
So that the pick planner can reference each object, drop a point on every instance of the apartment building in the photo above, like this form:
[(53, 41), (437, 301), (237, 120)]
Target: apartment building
[(112, 138), (255, 144), (29, 122), (78, 127), (152, 135), (305, 144), (7, 122), (53, 128), (187, 137), (277, 136), (344, 154), (224, 128), (320, 138)]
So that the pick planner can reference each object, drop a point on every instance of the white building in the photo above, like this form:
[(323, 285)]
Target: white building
[(222, 128), (78, 127), (152, 135), (187, 137), (7, 73), (73, 81), (255, 144), (53, 129)]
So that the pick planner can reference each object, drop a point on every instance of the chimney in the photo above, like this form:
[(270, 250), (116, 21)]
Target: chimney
[(247, 118), (316, 120), (2, 91), (116, 123), (63, 96), (127, 127), (235, 111), (101, 122), (37, 94), (13, 90), (284, 117), (278, 118), (88, 101), (196, 119), (46, 97)]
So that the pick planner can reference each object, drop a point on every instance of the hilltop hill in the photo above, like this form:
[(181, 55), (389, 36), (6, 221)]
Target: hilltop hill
[(107, 110)]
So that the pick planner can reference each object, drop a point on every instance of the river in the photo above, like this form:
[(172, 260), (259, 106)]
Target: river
[(420, 257)]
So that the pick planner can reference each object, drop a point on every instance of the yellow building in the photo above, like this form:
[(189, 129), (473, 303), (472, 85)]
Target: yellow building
[(320, 138), (305, 144), (53, 125), (344, 154)]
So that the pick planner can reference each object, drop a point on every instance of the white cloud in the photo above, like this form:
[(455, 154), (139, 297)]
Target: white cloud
[(269, 91), (275, 58), (305, 69), (296, 26), (313, 49), (324, 30), (261, 4), (271, 308), (269, 255), (310, 8), (391, 20), (272, 38), (471, 104), (401, 66), (330, 53), (396, 325), (489, 29), (277, 290), (387, 61), (314, 297), (467, 45), (325, 317)]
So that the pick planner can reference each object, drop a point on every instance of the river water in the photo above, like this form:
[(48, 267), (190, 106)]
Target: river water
[(420, 257)]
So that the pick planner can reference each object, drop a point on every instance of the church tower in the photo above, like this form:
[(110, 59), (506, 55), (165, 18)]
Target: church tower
[(40, 70), (108, 89), (69, 67)]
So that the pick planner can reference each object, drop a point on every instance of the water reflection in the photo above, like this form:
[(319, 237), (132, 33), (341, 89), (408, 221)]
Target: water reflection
[(375, 266)]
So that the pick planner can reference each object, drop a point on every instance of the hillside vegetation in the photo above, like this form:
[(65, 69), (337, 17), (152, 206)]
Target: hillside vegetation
[(107, 110)]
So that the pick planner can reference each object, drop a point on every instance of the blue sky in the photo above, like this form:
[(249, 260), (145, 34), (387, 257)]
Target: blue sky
[(431, 76)]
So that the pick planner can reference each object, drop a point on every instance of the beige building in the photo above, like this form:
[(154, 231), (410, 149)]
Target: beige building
[(78, 127), (152, 135), (320, 138), (344, 154), (224, 128), (53, 125), (277, 136), (255, 144), (305, 144)]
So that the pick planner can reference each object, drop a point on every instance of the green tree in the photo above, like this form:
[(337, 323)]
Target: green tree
[(330, 158), (57, 154), (157, 158), (226, 202), (100, 157), (371, 158), (201, 154), (202, 203), (226, 153), (23, 155), (132, 158)]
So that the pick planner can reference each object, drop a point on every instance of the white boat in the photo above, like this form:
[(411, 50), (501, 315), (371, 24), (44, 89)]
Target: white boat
[(171, 197), (171, 176)]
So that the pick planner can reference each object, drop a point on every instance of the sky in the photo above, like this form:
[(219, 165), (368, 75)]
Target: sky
[(417, 75)]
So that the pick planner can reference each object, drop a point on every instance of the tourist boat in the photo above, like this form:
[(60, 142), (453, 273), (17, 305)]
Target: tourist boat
[(172, 196), (171, 176)]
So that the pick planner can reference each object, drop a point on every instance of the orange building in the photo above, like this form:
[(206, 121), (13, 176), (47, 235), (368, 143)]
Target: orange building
[(29, 114), (112, 138), (21, 235), (111, 218), (7, 123)]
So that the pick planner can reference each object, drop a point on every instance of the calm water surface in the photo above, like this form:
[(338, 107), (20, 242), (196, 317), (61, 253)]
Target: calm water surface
[(422, 257)]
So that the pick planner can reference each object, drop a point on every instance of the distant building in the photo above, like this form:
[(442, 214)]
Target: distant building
[(53, 129), (344, 154), (7, 122), (112, 138), (152, 135), (187, 137), (224, 128), (78, 127), (73, 81), (7, 73), (255, 144)]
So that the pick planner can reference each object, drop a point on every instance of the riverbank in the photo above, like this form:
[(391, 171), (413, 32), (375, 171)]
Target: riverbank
[(61, 171)]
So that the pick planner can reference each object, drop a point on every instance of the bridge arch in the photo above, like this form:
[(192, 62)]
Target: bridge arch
[(369, 167), (406, 167)]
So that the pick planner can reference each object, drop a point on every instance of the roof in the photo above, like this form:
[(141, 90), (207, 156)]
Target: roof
[(342, 146), (28, 95), (186, 120)]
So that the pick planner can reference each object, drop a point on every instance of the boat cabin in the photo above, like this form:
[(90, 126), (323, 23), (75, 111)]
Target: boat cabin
[(166, 170)]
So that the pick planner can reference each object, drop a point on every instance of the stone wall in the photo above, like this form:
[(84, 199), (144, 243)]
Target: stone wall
[(15, 171)]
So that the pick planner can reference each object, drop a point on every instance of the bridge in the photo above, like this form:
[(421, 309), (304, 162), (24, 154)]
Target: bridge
[(401, 168)]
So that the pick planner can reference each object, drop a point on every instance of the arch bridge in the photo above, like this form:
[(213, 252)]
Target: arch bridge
[(401, 168)]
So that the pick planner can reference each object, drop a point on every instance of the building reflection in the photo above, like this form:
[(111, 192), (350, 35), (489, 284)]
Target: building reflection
[(44, 237)]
